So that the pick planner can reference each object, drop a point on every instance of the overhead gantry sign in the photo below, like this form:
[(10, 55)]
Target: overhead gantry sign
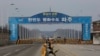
[(50, 18)]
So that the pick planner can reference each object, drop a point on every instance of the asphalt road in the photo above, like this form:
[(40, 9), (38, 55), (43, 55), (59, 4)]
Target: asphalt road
[(20, 50), (77, 50)]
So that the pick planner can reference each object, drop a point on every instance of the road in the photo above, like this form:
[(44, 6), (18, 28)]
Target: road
[(20, 50), (64, 50), (77, 50)]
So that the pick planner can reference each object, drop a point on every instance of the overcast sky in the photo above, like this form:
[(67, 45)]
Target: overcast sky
[(32, 7), (53, 27)]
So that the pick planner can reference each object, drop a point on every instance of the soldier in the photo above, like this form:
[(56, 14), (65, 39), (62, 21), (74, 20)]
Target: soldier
[(50, 48)]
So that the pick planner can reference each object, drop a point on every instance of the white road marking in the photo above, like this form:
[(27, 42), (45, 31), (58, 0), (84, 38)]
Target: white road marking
[(17, 50), (7, 54), (91, 49), (3, 48)]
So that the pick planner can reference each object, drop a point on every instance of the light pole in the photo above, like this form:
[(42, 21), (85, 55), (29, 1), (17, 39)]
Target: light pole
[(1, 20), (15, 8)]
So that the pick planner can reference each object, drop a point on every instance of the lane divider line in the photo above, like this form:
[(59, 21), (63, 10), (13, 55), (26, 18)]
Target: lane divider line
[(17, 50), (7, 54)]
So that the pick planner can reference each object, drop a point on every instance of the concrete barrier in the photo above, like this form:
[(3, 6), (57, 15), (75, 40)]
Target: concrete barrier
[(24, 42), (43, 50)]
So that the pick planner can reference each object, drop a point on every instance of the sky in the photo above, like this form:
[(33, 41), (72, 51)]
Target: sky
[(32, 7), (52, 27)]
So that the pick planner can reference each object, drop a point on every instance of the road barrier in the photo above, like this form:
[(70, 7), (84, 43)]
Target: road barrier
[(56, 41), (44, 50), (24, 42), (67, 41), (4, 39), (30, 41), (87, 42)]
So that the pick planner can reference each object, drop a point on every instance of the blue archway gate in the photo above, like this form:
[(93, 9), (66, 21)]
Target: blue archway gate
[(50, 17)]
